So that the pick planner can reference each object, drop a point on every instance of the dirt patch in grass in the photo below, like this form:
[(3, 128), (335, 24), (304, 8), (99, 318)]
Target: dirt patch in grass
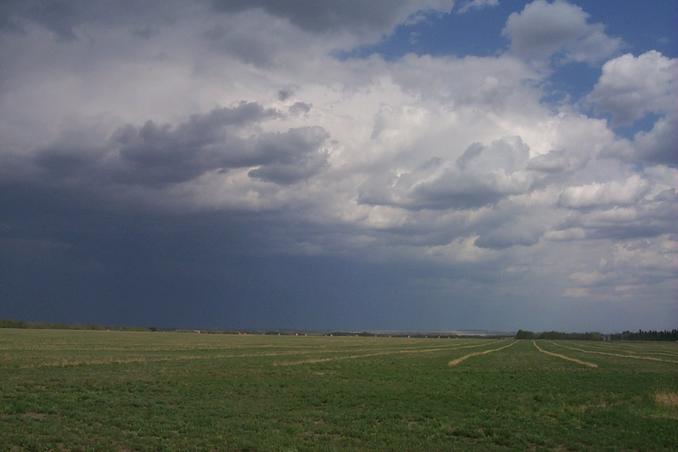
[(566, 358), (667, 399), (34, 415), (456, 362)]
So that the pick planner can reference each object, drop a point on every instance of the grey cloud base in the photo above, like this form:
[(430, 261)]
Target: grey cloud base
[(223, 139)]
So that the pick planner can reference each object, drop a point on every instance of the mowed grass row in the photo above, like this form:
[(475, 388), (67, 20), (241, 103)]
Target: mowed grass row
[(644, 348), (48, 348), (403, 396), (589, 350)]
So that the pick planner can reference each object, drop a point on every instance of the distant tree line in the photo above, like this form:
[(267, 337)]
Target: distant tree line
[(64, 326), (646, 335), (640, 335), (416, 335), (12, 324), (589, 336)]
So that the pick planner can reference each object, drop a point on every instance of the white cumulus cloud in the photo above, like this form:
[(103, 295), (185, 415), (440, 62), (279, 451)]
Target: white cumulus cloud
[(542, 30), (631, 87)]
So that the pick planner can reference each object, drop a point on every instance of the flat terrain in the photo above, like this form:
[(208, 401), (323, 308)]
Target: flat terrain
[(127, 390)]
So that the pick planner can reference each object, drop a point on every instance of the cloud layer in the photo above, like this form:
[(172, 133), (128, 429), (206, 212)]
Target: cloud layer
[(213, 146)]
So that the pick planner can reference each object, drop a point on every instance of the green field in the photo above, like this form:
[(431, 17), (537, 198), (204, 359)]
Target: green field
[(150, 391)]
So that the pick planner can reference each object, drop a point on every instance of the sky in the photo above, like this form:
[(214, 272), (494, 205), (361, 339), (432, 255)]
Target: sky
[(354, 165)]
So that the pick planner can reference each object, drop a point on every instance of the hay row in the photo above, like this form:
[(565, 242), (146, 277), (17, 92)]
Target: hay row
[(618, 355), (616, 349), (145, 359), (456, 362), (369, 355), (566, 358)]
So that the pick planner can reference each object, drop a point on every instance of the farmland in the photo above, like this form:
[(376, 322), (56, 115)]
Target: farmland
[(143, 390)]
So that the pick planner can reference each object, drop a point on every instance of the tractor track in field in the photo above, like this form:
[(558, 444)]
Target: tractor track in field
[(456, 362), (565, 357)]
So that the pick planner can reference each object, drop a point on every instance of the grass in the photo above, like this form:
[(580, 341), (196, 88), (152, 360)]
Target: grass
[(180, 391)]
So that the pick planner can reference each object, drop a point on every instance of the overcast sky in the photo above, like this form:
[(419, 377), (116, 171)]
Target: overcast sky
[(322, 164)]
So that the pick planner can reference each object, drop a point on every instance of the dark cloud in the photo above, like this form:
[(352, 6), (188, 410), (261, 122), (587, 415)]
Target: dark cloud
[(333, 25), (300, 108), (656, 146), (291, 156), (452, 189), (64, 17), (257, 49), (161, 155), (65, 162), (154, 155), (660, 144), (353, 16), (502, 239), (57, 16), (512, 225), (286, 92), (164, 154), (555, 161)]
